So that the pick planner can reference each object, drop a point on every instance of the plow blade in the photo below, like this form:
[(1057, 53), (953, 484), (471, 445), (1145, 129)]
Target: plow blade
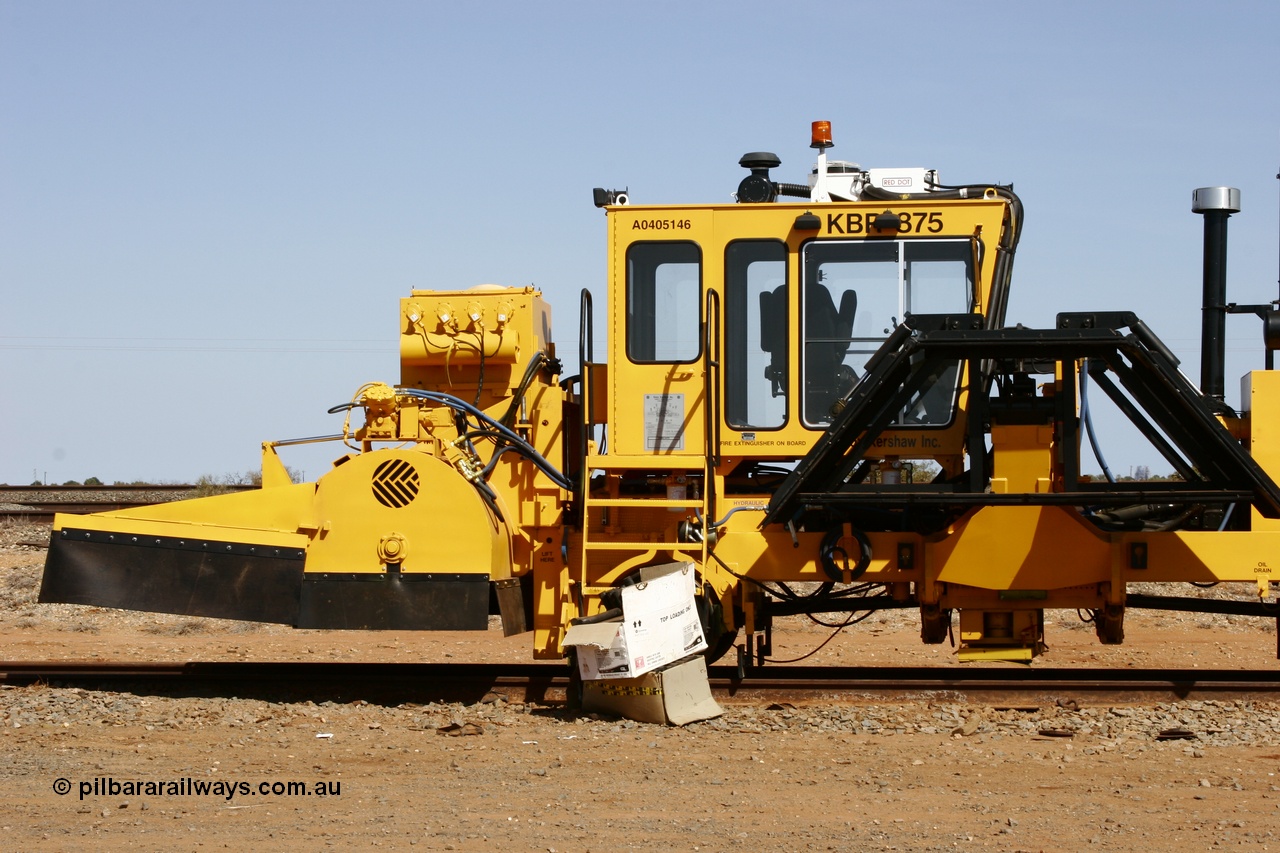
[(168, 574), (330, 554)]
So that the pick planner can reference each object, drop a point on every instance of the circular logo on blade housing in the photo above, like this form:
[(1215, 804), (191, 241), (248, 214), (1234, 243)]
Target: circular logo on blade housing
[(395, 483)]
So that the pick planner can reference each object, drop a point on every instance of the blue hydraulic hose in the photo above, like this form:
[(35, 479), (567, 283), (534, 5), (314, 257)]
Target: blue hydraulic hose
[(524, 447), (1087, 416)]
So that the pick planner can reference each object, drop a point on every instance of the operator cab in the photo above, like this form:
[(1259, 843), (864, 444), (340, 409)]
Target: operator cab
[(768, 311)]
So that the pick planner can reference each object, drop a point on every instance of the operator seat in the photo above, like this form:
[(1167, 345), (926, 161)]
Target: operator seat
[(828, 331), (773, 337)]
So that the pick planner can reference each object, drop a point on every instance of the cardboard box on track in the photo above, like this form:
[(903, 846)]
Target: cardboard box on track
[(674, 695), (646, 666)]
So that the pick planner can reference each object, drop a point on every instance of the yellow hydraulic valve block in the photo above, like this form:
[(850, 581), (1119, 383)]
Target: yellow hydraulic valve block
[(487, 323)]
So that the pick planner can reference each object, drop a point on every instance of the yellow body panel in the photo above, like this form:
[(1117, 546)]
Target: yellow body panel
[(1024, 460), (133, 526), (1021, 547), (261, 516), (1260, 399), (340, 522), (443, 527), (1207, 556)]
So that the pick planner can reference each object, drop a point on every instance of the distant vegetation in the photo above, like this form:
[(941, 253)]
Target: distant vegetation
[(208, 484), (1141, 475), (88, 481), (216, 485)]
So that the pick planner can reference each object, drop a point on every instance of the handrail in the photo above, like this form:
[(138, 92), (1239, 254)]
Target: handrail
[(316, 439), (586, 432), (586, 360), (711, 396)]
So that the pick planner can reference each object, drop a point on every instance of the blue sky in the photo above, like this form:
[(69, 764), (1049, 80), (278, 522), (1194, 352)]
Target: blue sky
[(208, 211)]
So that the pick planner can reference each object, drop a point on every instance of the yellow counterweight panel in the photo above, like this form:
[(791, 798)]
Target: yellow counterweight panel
[(1204, 556), (1021, 547), (1260, 394)]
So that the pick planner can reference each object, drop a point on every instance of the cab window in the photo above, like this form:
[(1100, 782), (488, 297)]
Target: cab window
[(854, 293), (664, 287), (756, 334)]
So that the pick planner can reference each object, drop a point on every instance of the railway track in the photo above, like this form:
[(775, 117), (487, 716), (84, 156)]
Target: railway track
[(44, 511), (40, 503), (1001, 686), (998, 686)]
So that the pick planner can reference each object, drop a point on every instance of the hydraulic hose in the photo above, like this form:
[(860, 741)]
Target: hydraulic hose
[(535, 363), (596, 619), (506, 432), (503, 448), (830, 547), (491, 498), (1008, 243), (1087, 416)]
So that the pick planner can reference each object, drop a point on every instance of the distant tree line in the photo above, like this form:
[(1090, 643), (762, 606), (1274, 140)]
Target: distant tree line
[(88, 481), (208, 482)]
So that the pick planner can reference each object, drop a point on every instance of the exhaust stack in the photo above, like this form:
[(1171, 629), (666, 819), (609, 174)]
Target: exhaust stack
[(1216, 204)]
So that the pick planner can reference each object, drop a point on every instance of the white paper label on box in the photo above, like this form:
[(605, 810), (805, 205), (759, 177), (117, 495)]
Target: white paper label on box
[(660, 626), (660, 621)]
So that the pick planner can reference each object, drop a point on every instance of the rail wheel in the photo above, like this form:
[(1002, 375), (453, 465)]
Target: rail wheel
[(720, 640), (573, 693), (935, 623), (1110, 624)]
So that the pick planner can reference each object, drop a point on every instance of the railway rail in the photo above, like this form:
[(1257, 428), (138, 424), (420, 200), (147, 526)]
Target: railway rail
[(44, 511), (176, 488), (1004, 686), (40, 503)]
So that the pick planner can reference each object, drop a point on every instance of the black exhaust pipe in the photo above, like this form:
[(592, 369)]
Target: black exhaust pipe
[(1216, 204)]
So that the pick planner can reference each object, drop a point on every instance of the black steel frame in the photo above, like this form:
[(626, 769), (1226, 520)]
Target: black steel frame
[(1182, 422)]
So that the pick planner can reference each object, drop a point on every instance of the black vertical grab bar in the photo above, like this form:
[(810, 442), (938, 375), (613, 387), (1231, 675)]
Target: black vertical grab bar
[(586, 360), (711, 397)]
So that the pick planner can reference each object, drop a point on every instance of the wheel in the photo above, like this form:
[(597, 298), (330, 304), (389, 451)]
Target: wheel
[(1110, 624), (718, 647), (719, 639), (935, 623), (573, 693)]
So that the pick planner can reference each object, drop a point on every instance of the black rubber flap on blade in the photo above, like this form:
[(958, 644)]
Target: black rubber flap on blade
[(189, 577), (395, 601)]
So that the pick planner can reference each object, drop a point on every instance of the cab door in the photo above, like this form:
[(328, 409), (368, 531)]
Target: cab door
[(658, 269)]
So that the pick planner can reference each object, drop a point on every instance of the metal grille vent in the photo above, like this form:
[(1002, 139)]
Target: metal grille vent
[(395, 483)]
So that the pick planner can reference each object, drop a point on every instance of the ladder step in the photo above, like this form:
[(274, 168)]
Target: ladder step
[(609, 462), (637, 546)]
